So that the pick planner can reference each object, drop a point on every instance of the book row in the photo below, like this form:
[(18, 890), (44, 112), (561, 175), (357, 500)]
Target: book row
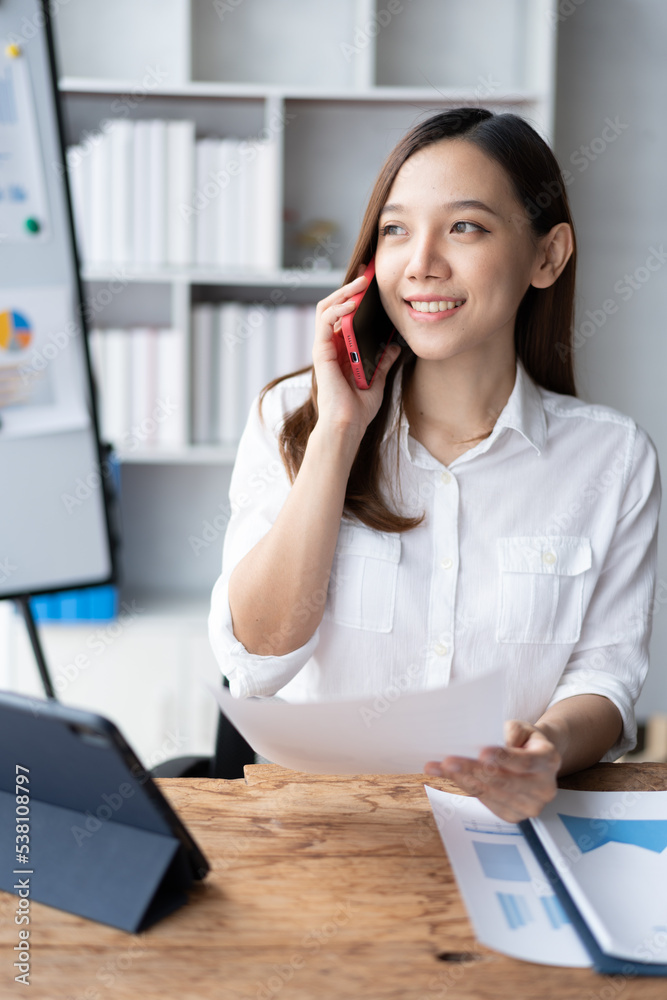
[(150, 193), (156, 389), (140, 386), (236, 349)]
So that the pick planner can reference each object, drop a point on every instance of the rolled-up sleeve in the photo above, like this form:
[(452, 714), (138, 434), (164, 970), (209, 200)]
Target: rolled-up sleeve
[(259, 486), (611, 657)]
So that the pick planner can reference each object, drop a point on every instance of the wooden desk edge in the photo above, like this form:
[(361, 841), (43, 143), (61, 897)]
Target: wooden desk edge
[(644, 776)]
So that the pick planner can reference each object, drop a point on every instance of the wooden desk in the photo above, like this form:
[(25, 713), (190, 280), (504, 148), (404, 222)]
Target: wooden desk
[(321, 888)]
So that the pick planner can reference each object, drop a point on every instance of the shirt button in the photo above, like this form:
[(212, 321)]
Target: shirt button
[(447, 563), (441, 649), (446, 477), (549, 558)]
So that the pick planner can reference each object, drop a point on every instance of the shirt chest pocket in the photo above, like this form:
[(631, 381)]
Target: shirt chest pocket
[(362, 587), (542, 588)]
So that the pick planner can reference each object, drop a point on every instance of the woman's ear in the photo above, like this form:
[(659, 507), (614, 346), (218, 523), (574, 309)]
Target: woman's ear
[(555, 249)]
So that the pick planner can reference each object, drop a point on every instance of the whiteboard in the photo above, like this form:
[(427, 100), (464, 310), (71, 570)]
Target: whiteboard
[(54, 522)]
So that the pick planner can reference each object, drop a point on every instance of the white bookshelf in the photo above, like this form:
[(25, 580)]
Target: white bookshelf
[(346, 78)]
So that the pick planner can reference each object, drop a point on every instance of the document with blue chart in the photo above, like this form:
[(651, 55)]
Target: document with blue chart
[(609, 850), (510, 902), (585, 883)]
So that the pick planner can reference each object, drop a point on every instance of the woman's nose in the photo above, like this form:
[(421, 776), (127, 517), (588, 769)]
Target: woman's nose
[(427, 259)]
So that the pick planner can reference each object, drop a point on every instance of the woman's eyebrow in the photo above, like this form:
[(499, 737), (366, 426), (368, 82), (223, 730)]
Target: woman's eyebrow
[(465, 203)]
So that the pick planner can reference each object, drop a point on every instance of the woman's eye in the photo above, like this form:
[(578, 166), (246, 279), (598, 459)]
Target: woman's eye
[(463, 232), (460, 228)]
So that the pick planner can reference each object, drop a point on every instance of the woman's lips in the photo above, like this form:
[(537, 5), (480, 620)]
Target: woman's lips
[(433, 317)]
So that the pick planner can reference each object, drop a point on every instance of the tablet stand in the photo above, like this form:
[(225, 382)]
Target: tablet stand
[(105, 871)]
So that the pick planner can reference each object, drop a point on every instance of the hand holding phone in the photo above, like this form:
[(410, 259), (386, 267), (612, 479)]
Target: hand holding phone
[(340, 404), (367, 331)]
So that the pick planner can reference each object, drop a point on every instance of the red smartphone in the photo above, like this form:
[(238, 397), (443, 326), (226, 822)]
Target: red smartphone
[(367, 331)]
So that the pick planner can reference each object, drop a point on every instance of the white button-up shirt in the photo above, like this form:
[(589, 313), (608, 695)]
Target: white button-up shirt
[(537, 554)]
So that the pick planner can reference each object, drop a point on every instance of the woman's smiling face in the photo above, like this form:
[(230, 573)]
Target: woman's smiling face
[(438, 246)]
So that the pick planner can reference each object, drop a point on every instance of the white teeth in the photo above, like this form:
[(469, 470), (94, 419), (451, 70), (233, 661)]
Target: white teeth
[(434, 307)]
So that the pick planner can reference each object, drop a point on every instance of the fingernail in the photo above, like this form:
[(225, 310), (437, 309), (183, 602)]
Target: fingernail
[(454, 767)]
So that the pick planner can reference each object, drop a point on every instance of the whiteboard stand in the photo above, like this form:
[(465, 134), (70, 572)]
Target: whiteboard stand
[(24, 603)]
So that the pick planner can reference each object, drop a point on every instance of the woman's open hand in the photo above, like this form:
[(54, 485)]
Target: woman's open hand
[(514, 781)]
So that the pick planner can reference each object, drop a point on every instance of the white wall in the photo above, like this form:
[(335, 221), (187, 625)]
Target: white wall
[(612, 64)]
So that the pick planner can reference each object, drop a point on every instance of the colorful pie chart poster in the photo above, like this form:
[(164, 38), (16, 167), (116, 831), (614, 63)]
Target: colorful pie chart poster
[(43, 381)]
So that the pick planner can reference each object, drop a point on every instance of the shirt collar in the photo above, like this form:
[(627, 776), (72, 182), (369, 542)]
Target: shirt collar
[(523, 412)]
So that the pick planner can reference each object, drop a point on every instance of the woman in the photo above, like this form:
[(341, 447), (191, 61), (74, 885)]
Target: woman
[(467, 511)]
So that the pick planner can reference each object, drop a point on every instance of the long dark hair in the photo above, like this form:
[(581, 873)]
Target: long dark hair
[(544, 320)]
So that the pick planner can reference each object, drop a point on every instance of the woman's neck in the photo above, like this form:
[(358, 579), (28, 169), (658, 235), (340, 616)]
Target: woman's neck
[(453, 405)]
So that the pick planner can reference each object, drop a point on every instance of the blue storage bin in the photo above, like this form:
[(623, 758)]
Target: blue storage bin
[(87, 604)]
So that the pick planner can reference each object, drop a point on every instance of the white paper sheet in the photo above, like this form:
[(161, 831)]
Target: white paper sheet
[(379, 735), (509, 901)]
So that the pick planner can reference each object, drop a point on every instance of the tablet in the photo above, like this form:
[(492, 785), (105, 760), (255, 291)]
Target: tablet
[(99, 835)]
